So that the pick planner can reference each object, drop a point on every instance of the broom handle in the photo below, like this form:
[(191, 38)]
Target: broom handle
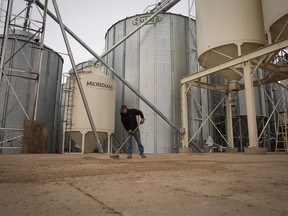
[(127, 139)]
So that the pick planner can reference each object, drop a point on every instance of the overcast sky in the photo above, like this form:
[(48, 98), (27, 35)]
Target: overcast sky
[(90, 20)]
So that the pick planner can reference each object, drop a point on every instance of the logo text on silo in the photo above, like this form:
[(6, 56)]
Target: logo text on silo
[(100, 85), (142, 19)]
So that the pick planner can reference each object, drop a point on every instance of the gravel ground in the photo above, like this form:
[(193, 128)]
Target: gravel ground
[(161, 184)]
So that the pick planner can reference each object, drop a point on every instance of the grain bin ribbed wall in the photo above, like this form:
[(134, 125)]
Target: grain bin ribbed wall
[(275, 14), (99, 91), (227, 29), (153, 61), (21, 72)]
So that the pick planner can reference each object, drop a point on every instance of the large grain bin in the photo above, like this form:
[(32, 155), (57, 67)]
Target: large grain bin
[(22, 71), (275, 14), (227, 29), (99, 91), (153, 61)]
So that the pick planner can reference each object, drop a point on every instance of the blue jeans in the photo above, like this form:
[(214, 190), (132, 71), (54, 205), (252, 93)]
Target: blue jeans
[(138, 140)]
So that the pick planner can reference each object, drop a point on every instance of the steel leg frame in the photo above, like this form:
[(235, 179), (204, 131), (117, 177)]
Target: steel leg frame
[(184, 144), (246, 61)]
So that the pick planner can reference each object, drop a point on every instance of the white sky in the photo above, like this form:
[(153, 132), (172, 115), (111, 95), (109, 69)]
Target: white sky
[(90, 20)]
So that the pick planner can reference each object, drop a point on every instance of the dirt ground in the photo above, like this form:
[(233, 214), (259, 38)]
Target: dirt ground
[(162, 184)]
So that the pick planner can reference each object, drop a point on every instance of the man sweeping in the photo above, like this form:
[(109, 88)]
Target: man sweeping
[(129, 121)]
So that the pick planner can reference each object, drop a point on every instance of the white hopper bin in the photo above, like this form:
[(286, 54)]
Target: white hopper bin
[(275, 14), (99, 90)]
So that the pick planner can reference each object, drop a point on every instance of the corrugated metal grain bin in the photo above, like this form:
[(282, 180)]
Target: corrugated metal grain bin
[(99, 91), (21, 71), (153, 61)]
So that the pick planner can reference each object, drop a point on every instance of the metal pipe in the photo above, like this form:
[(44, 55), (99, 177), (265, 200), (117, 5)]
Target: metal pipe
[(6, 33), (112, 70), (25, 25), (3, 49), (40, 61), (12, 129), (78, 78)]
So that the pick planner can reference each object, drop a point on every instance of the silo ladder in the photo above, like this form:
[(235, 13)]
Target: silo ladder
[(281, 133), (70, 96)]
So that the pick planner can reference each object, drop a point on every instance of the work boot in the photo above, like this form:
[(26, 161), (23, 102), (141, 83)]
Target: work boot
[(129, 155), (142, 155)]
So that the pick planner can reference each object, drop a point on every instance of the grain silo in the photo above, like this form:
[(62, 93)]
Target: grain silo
[(99, 91), (227, 29), (275, 14), (153, 60), (21, 75)]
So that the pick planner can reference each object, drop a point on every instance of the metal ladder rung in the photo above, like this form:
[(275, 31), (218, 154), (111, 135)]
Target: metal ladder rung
[(281, 133)]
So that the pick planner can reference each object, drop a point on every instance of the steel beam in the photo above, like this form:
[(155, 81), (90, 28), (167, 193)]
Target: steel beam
[(244, 58), (5, 39)]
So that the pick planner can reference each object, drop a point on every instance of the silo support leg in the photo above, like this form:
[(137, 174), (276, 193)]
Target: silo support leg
[(250, 106), (83, 142), (109, 147), (230, 140), (184, 113)]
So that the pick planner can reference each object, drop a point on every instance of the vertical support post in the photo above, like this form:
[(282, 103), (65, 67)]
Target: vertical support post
[(229, 123), (83, 142), (240, 137), (40, 59), (184, 113), (70, 141), (63, 141), (109, 144), (250, 106), (5, 39)]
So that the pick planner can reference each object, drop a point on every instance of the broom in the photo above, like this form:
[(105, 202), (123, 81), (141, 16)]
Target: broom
[(116, 155)]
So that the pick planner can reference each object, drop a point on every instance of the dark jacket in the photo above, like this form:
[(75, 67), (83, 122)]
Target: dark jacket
[(129, 120)]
